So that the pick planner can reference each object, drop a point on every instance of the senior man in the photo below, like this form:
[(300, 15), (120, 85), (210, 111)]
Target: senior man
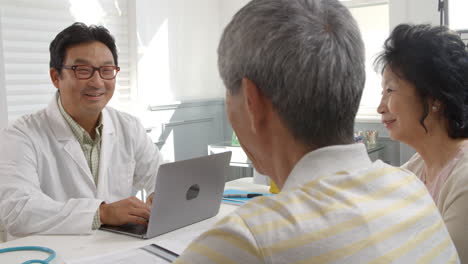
[(294, 73), (76, 164)]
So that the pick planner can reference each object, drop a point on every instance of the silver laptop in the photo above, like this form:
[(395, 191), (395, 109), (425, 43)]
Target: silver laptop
[(186, 192)]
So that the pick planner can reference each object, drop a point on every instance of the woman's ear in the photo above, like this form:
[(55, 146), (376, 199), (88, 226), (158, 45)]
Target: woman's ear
[(435, 105)]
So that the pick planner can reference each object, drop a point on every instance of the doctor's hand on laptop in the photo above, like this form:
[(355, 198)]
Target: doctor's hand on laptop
[(149, 200), (130, 210)]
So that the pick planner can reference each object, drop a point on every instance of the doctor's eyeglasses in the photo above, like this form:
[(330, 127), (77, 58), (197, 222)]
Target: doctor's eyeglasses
[(84, 72)]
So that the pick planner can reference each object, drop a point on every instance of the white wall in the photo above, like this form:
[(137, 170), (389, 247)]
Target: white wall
[(177, 42), (413, 11), (3, 102), (3, 106), (373, 21), (227, 9)]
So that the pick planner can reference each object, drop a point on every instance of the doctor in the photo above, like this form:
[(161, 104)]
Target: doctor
[(76, 164)]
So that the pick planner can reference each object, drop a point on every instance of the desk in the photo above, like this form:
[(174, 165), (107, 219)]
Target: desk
[(101, 242)]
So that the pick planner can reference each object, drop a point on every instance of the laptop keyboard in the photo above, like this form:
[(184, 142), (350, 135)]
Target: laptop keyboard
[(129, 228)]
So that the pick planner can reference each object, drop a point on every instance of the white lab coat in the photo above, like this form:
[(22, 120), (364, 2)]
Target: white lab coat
[(46, 185)]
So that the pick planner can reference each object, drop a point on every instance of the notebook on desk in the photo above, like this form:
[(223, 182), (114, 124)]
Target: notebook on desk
[(186, 192), (239, 200)]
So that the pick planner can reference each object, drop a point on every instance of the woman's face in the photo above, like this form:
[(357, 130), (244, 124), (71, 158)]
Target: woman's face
[(401, 108)]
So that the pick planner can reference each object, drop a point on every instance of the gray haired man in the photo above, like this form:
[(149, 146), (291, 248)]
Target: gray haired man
[(294, 73)]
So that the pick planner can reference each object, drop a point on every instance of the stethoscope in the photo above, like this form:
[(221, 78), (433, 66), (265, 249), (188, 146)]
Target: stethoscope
[(51, 252)]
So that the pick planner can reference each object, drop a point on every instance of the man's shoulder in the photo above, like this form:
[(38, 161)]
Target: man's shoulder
[(28, 123), (331, 206), (312, 194), (25, 132), (380, 165), (260, 209)]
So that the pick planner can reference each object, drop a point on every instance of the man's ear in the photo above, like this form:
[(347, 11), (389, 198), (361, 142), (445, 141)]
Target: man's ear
[(54, 77), (256, 104)]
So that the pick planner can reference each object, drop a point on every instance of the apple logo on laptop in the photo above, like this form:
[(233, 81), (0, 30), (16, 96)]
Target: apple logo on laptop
[(192, 192)]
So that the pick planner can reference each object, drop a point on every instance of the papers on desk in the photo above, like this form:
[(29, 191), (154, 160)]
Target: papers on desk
[(136, 255), (175, 241), (238, 200), (148, 254)]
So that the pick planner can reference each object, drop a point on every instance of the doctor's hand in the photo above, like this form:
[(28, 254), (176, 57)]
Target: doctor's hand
[(149, 199), (130, 210)]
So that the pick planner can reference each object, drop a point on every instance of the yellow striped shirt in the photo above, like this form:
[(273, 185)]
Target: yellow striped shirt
[(336, 207)]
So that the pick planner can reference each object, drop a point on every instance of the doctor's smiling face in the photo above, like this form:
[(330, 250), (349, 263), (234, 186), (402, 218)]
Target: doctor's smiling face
[(85, 98)]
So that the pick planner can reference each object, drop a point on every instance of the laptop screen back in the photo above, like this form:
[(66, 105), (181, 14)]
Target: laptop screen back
[(187, 192)]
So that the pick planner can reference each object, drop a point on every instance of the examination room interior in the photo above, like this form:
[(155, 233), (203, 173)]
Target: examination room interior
[(167, 54)]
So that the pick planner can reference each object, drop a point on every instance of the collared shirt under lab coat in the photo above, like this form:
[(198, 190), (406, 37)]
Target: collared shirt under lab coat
[(45, 183)]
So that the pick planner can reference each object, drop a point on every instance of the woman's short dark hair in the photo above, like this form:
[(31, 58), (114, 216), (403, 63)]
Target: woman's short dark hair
[(435, 61), (75, 34)]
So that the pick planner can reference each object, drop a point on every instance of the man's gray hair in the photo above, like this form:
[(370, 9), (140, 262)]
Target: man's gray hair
[(306, 56)]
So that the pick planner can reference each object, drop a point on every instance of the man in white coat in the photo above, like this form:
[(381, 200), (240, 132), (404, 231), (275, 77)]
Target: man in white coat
[(76, 164)]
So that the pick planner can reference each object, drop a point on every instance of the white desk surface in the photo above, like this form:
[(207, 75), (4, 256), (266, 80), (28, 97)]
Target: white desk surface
[(71, 247)]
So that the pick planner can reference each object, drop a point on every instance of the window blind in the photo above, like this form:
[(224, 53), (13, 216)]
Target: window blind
[(28, 27)]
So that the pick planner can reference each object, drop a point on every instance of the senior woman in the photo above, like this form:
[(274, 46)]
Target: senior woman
[(425, 105)]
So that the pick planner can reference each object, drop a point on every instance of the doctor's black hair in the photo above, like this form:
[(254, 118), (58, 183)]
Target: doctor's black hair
[(75, 34), (435, 61)]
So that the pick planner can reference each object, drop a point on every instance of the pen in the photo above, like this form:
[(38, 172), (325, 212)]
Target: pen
[(244, 195)]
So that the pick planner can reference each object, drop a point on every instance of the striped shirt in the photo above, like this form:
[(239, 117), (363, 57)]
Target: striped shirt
[(335, 207), (91, 149)]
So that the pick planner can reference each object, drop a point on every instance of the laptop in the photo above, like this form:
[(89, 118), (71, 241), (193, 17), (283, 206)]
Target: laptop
[(186, 192)]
